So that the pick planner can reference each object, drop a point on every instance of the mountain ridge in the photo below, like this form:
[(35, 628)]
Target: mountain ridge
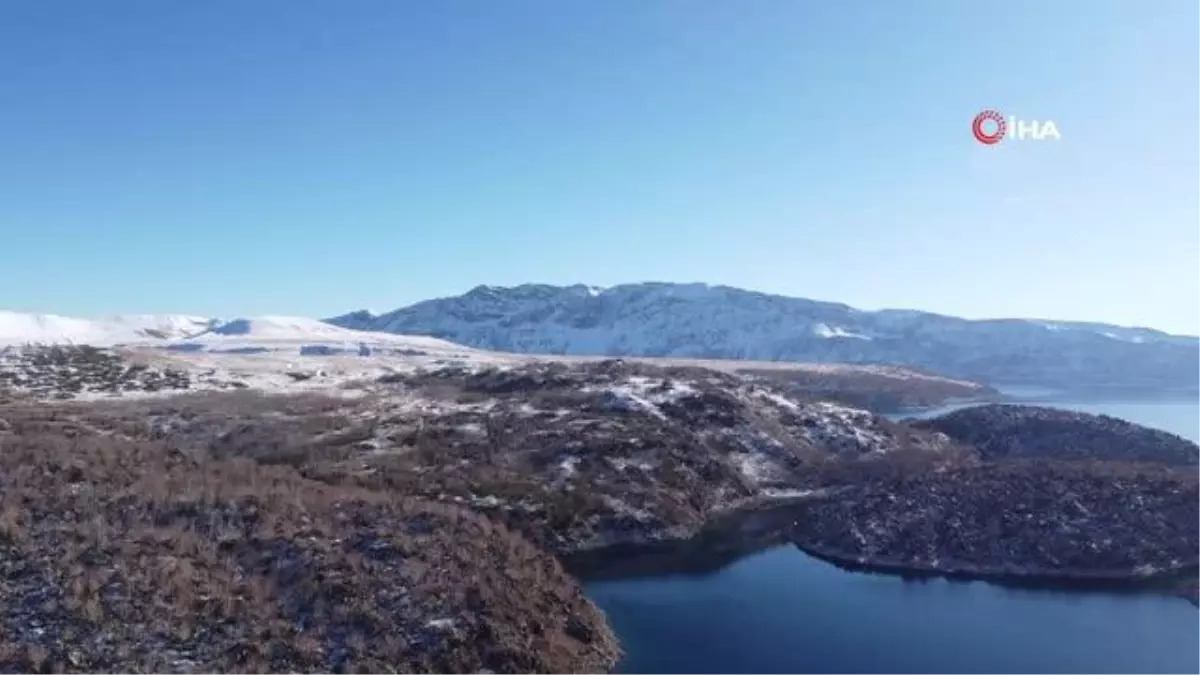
[(593, 290), (691, 321), (699, 320)]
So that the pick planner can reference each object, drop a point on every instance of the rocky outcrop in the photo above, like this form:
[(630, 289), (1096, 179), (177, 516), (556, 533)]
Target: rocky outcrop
[(1019, 431), (1023, 519), (1053, 495)]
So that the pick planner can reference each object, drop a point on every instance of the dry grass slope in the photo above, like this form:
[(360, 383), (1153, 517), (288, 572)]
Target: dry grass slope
[(119, 552)]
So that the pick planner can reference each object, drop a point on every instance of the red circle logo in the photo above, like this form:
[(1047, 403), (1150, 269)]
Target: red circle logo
[(982, 135)]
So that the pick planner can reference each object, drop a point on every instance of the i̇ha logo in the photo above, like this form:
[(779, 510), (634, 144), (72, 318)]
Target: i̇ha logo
[(990, 127)]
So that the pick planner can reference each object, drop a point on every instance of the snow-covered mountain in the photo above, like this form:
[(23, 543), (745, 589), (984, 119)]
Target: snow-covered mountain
[(197, 334), (703, 321), (19, 328)]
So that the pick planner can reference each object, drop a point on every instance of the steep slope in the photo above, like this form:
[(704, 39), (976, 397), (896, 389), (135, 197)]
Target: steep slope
[(702, 321)]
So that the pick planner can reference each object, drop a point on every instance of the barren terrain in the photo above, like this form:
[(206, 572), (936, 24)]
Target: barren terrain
[(207, 510)]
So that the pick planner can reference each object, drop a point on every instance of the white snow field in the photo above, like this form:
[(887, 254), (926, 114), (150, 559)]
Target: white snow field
[(192, 333), (287, 353), (305, 337), (266, 352), (22, 328)]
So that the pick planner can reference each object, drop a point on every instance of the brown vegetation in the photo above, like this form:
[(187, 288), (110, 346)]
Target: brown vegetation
[(119, 551)]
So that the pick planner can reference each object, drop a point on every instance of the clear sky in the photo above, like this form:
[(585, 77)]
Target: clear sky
[(229, 158)]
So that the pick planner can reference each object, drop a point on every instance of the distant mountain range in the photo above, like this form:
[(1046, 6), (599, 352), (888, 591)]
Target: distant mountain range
[(704, 321), (682, 321)]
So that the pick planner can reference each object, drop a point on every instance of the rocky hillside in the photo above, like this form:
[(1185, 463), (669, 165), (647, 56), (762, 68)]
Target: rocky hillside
[(587, 456), (701, 321), (1019, 431), (70, 371), (123, 549), (1054, 495), (418, 520), (237, 531), (1015, 520), (575, 456)]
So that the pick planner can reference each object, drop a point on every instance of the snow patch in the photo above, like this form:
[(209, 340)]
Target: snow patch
[(790, 493), (824, 330), (779, 400), (622, 463), (569, 465), (756, 467), (622, 509), (639, 392), (627, 397), (840, 427)]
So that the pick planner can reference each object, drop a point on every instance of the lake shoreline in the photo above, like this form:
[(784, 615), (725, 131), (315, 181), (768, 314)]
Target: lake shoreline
[(752, 529), (784, 607), (785, 610), (724, 540), (1048, 397), (1170, 581)]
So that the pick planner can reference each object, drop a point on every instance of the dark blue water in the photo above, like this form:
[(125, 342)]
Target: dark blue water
[(783, 611)]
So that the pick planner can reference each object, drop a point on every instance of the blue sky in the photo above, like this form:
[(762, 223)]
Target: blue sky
[(312, 157)]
